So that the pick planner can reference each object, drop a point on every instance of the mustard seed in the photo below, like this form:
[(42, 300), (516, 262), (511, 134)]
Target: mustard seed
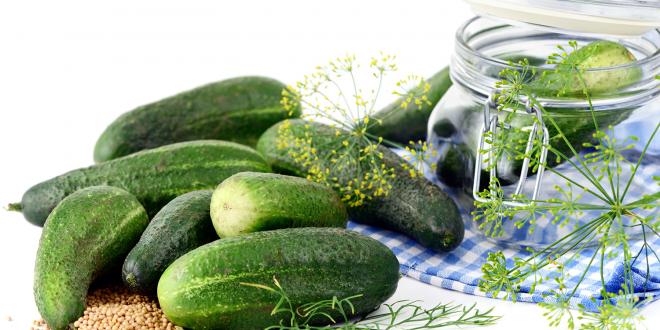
[(116, 308)]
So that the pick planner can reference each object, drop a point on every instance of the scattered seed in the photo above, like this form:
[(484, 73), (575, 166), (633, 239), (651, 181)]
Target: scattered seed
[(116, 308)]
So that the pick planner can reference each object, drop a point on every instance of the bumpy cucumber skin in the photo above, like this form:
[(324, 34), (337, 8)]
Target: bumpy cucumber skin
[(154, 176), (414, 206), (404, 125), (87, 234), (180, 226), (266, 201), (203, 290), (237, 109), (598, 54)]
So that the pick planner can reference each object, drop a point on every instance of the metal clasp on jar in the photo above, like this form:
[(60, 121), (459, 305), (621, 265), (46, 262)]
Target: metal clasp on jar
[(491, 124)]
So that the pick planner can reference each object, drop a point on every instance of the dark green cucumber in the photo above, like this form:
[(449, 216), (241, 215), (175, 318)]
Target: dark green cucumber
[(248, 202), (237, 110), (414, 206), (86, 235), (204, 289), (403, 125), (154, 176), (180, 226)]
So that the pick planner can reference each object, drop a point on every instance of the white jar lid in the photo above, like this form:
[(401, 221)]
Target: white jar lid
[(612, 17)]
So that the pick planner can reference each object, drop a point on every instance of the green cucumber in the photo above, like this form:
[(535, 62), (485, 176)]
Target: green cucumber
[(403, 125), (180, 226), (154, 176), (204, 289), (248, 202), (597, 54), (237, 110), (414, 206), (86, 235)]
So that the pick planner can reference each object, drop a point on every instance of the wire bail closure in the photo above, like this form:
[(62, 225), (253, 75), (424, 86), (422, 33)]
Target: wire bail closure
[(491, 124)]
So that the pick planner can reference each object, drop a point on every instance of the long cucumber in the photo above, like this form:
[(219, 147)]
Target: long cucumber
[(414, 206), (154, 176)]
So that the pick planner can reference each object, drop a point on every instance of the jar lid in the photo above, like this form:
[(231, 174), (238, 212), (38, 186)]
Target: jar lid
[(613, 17)]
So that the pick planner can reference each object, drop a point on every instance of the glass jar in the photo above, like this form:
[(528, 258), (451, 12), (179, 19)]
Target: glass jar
[(484, 48)]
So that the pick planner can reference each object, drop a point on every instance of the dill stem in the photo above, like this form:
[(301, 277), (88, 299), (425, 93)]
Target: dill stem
[(357, 105), (646, 253), (649, 247), (332, 119), (586, 270), (612, 188), (576, 234), (602, 254), (373, 100), (343, 96), (563, 176), (344, 112), (618, 179), (587, 173), (577, 184), (591, 106), (646, 201), (639, 161)]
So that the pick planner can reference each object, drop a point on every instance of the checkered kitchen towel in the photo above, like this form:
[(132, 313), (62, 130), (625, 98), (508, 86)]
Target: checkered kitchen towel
[(460, 269)]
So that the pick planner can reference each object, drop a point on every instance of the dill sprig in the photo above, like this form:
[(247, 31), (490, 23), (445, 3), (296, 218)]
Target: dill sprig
[(334, 95), (613, 222), (400, 315)]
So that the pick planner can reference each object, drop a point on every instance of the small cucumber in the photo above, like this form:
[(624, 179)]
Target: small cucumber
[(237, 109), (403, 125), (597, 54), (180, 226), (248, 202), (413, 207), (87, 234), (154, 176), (204, 289)]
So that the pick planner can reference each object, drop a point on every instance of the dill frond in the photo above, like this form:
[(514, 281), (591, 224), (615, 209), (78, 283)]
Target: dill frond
[(614, 221), (339, 313), (350, 160)]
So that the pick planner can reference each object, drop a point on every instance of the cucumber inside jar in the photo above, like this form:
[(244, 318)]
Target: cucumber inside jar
[(575, 124), (617, 75)]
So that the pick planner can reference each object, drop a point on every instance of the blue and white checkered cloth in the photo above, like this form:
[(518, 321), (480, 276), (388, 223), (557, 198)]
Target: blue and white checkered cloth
[(460, 269)]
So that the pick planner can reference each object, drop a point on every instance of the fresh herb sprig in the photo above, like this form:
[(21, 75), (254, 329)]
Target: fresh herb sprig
[(400, 315), (335, 95), (616, 224)]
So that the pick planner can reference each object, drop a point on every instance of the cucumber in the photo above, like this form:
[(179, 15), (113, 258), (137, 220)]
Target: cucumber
[(597, 54), (237, 109), (203, 289), (414, 206), (154, 176), (86, 235), (248, 202), (180, 226), (403, 125)]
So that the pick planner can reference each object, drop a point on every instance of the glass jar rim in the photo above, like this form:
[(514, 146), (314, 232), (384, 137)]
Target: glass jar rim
[(462, 43), (474, 68)]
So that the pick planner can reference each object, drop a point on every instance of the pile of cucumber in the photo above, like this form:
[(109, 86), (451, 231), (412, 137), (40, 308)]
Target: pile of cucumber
[(190, 218)]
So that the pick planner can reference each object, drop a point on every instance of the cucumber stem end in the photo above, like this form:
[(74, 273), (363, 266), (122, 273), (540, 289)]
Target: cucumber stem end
[(16, 207)]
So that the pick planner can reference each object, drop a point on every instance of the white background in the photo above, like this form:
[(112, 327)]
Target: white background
[(67, 69)]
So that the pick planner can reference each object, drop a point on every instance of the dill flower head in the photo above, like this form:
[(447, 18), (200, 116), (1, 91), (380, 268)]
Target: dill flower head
[(343, 94), (608, 222)]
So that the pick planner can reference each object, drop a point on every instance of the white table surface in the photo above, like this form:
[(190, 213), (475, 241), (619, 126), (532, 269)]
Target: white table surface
[(68, 68)]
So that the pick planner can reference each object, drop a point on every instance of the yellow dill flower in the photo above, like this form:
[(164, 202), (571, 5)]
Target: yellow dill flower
[(348, 158), (419, 155)]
